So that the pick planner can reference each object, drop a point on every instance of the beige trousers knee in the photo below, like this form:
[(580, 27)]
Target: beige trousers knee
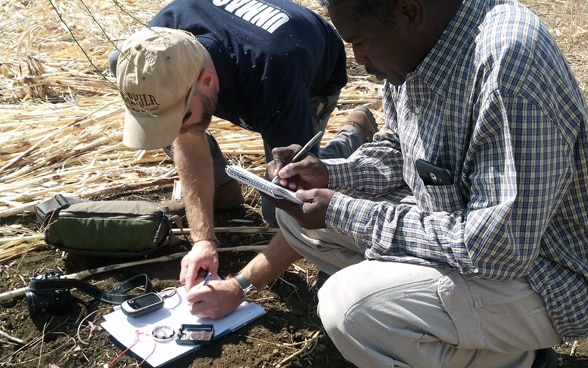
[(389, 314)]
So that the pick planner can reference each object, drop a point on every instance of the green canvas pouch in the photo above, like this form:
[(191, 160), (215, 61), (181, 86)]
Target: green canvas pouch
[(105, 228)]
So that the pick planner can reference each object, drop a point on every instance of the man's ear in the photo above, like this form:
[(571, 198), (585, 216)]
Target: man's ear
[(412, 12), (206, 80)]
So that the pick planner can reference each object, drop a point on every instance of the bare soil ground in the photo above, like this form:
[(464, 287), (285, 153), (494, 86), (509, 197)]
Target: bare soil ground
[(289, 335)]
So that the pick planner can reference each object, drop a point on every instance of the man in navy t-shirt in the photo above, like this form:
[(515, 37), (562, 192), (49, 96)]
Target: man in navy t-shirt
[(273, 67)]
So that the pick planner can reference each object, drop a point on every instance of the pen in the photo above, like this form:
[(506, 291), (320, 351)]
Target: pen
[(206, 279), (307, 147)]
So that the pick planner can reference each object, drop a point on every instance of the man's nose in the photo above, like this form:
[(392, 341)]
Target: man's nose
[(360, 58)]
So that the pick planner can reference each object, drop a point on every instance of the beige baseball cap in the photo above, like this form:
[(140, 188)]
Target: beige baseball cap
[(156, 70)]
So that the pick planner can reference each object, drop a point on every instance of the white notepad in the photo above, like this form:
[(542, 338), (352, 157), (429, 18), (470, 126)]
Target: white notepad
[(136, 332), (247, 177)]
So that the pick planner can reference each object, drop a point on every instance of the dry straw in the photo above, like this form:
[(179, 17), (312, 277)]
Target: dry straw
[(61, 116)]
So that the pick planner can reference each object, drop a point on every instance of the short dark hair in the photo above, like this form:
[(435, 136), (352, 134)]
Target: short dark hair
[(383, 10)]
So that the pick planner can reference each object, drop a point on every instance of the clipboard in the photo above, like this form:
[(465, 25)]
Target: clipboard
[(247, 177), (137, 333)]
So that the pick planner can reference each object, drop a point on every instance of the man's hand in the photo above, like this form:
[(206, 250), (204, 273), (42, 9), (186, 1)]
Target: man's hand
[(280, 157), (314, 209), (203, 256), (215, 300), (307, 174), (309, 178), (311, 214)]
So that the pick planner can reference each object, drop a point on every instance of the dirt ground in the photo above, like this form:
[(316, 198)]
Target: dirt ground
[(288, 335)]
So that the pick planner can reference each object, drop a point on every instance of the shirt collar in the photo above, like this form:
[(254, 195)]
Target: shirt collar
[(436, 69)]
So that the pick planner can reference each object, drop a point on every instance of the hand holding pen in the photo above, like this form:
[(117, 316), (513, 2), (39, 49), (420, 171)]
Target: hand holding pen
[(304, 151)]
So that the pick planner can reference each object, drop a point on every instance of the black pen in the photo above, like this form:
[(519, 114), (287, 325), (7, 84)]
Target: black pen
[(307, 147)]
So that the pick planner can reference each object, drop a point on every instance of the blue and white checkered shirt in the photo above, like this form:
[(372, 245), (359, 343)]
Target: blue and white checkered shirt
[(496, 104)]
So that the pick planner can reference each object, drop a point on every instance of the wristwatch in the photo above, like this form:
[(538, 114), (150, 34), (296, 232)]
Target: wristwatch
[(245, 284)]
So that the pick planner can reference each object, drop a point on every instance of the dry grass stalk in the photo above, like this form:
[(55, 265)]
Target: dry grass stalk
[(83, 274), (307, 348), (234, 229), (11, 338)]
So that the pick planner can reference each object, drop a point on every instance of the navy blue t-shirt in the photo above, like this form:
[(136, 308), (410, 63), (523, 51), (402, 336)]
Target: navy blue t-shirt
[(271, 56)]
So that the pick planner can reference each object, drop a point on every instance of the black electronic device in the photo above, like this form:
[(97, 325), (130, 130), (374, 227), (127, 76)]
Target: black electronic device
[(432, 174), (50, 294), (46, 301), (195, 334), (142, 304)]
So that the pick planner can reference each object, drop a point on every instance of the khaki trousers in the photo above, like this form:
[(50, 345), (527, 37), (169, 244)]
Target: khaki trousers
[(390, 314)]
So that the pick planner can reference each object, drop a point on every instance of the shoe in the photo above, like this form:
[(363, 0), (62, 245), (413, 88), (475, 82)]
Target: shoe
[(545, 358), (228, 195), (175, 207), (362, 119)]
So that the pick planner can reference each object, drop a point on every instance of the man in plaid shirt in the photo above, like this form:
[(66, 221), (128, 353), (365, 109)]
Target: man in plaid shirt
[(487, 265)]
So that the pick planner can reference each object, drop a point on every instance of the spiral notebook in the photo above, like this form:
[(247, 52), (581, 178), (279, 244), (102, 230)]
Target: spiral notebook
[(261, 184)]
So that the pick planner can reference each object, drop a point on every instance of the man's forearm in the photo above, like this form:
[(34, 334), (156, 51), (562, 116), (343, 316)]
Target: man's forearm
[(270, 263), (194, 164)]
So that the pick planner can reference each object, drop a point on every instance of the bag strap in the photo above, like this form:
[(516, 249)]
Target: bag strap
[(116, 295), (64, 201), (46, 210)]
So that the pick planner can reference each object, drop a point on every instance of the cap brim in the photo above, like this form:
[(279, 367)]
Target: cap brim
[(144, 131)]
